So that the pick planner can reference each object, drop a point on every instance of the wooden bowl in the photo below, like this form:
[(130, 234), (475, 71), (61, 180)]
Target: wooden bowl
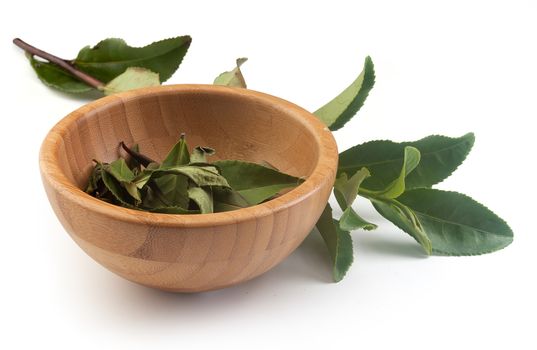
[(188, 253)]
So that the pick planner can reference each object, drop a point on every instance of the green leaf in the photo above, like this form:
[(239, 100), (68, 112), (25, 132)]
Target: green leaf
[(94, 179), (227, 199), (404, 218), (457, 224), (111, 57), (440, 156), (350, 221), (338, 242), (178, 155), (343, 107), (200, 175), (234, 77), (133, 191), (120, 170), (397, 187), (118, 191), (202, 197), (55, 77), (132, 78), (173, 190), (346, 189), (255, 182), (152, 197), (199, 154)]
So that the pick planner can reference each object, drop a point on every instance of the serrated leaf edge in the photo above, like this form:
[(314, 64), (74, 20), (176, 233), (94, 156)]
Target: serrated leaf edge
[(485, 207)]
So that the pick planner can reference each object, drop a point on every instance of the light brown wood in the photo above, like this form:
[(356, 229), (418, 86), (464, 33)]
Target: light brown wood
[(188, 253)]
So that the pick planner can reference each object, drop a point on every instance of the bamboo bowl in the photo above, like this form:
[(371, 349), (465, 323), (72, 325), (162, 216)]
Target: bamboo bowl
[(189, 253)]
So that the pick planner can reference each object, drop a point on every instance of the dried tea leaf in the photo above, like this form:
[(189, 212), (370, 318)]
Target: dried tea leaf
[(234, 77), (199, 154), (132, 78), (203, 197), (119, 192), (255, 182), (227, 199), (200, 175), (178, 155), (173, 189)]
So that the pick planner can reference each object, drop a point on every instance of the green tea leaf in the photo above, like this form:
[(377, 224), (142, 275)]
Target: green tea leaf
[(118, 191), (94, 179), (120, 170), (132, 78), (350, 221), (397, 187), (173, 190), (234, 77), (202, 197), (404, 218), (343, 107), (440, 156), (255, 182), (178, 155), (200, 175), (199, 154), (227, 199), (457, 224), (111, 57), (55, 77), (346, 189), (133, 191), (338, 242), (152, 197)]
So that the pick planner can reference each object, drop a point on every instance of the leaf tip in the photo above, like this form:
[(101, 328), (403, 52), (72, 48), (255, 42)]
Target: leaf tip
[(471, 137), (337, 276)]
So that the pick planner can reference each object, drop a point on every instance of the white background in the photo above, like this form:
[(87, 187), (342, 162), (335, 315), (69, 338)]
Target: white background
[(442, 68)]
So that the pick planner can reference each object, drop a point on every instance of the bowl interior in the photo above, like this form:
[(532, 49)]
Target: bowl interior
[(241, 126)]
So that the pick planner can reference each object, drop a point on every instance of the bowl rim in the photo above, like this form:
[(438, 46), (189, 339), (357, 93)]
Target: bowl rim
[(324, 169)]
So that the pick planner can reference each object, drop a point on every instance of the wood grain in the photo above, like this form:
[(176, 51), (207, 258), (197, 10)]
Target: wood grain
[(189, 253)]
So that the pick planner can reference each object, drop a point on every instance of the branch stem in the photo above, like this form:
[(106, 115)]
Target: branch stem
[(91, 81)]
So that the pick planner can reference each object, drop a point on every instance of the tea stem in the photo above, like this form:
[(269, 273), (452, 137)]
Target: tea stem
[(66, 65)]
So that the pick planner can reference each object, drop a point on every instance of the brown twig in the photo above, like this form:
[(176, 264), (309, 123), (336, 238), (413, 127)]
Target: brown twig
[(142, 159), (88, 79)]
